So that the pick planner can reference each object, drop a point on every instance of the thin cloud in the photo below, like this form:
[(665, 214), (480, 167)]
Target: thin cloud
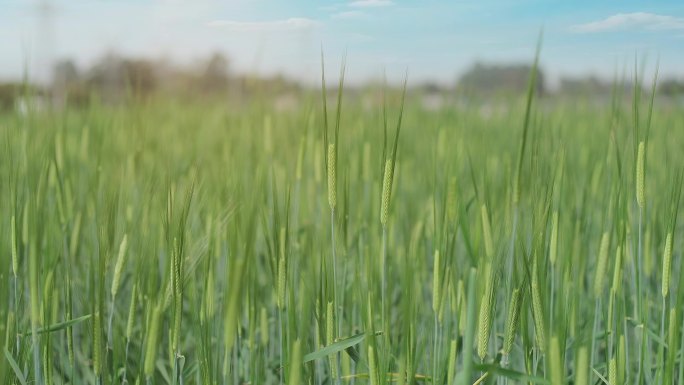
[(291, 24), (635, 20), (331, 7), (354, 15), (370, 3)]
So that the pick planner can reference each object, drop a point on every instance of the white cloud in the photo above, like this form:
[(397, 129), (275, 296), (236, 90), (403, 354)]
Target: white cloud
[(350, 15), (291, 24), (635, 20), (370, 3)]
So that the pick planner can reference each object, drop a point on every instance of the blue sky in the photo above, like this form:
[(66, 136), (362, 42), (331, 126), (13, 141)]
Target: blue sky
[(434, 40)]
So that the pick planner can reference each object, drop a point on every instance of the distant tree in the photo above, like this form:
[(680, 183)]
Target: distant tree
[(671, 87), (113, 76), (215, 76), (590, 85), (64, 73), (9, 92), (12, 94), (431, 88), (67, 84), (492, 79), (107, 74), (140, 76)]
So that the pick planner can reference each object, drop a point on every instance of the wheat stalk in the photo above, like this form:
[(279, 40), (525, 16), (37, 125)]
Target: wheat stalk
[(640, 175), (487, 233), (555, 363), (151, 342), (295, 368), (537, 311), (332, 176), (667, 265), (512, 320), (599, 277), (386, 191), (582, 371), (483, 326), (553, 242), (436, 296)]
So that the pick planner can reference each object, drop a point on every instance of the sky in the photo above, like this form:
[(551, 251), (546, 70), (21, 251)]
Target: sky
[(435, 41)]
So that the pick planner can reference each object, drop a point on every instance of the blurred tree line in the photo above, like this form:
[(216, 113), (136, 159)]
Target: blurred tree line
[(488, 80), (500, 79), (115, 78)]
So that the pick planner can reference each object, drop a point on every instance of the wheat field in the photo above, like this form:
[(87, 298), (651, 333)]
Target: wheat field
[(162, 242)]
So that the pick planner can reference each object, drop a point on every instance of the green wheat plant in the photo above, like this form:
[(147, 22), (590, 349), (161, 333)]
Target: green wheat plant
[(357, 236)]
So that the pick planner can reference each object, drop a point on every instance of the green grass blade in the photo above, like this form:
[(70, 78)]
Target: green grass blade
[(58, 326), (336, 347), (15, 368), (511, 374)]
